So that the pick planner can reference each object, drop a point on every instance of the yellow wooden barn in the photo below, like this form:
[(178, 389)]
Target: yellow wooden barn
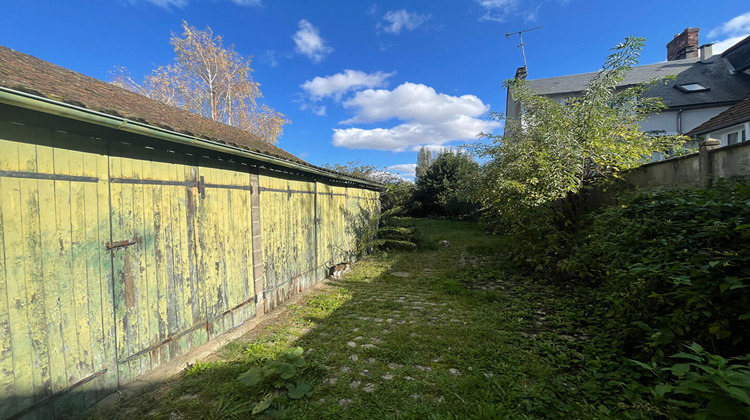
[(131, 232)]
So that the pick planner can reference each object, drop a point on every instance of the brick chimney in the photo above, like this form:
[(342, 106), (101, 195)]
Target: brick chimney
[(684, 45)]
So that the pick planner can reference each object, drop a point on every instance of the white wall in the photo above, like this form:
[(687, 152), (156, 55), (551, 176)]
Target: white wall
[(667, 121), (670, 122), (723, 133)]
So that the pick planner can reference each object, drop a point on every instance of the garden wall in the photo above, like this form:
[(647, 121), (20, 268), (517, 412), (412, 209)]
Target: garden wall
[(696, 170)]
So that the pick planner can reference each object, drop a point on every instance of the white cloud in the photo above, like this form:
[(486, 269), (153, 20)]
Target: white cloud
[(246, 2), (401, 19), (732, 31), (337, 84), (182, 3), (317, 110), (411, 135), (428, 118), (411, 101), (407, 170), (435, 148), (513, 10), (308, 42), (270, 58), (738, 24), (168, 3), (498, 10)]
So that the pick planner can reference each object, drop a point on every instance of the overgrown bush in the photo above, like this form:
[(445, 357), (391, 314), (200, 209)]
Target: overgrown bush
[(704, 386), (391, 232), (400, 196), (672, 267), (535, 242)]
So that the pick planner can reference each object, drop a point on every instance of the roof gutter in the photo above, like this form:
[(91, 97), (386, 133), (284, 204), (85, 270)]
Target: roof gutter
[(48, 106)]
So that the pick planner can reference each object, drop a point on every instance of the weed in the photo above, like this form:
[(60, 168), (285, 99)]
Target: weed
[(198, 368), (277, 378)]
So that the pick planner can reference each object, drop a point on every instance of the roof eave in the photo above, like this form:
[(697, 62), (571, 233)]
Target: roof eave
[(50, 106), (701, 131)]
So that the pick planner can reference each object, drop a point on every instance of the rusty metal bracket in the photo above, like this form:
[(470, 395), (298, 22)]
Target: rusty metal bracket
[(202, 187), (119, 244)]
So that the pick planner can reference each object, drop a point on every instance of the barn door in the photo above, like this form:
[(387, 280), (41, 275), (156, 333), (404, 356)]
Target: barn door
[(157, 309), (56, 340), (224, 244)]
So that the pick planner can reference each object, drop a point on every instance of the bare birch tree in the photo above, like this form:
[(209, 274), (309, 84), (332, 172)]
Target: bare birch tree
[(211, 80)]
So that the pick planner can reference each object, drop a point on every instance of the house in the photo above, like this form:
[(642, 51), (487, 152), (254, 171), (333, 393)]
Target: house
[(733, 125), (730, 127), (132, 232), (704, 84)]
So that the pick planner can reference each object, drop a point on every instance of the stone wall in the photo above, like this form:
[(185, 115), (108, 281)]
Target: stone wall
[(698, 170)]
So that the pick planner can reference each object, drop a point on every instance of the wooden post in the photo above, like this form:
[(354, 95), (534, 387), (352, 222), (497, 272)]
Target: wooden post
[(258, 271)]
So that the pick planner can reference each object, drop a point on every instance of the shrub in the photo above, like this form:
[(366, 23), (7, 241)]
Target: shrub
[(672, 267), (704, 385)]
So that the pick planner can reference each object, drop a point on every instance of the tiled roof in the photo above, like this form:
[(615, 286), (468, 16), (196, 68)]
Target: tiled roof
[(723, 87), (577, 82), (25, 73), (738, 113)]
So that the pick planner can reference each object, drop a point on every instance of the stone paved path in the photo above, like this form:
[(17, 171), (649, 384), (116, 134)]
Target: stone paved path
[(391, 338)]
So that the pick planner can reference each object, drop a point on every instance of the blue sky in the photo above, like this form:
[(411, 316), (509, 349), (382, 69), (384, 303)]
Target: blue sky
[(368, 81)]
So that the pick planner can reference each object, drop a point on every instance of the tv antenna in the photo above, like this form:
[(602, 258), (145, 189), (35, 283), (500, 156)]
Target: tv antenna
[(520, 36)]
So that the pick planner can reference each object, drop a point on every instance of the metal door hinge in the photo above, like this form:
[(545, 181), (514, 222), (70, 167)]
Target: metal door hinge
[(119, 244)]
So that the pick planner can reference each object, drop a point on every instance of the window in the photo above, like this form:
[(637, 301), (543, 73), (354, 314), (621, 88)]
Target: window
[(691, 87), (732, 138)]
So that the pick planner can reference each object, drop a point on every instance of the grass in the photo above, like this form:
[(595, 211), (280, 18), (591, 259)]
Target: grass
[(438, 333)]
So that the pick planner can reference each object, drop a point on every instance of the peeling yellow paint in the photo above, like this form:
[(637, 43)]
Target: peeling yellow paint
[(70, 308)]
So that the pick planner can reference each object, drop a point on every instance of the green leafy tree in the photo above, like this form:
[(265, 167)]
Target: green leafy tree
[(398, 196), (556, 150), (447, 187), (424, 160)]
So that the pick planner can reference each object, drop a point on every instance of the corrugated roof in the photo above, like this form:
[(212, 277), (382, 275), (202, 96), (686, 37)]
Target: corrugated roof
[(713, 74), (28, 74), (736, 114)]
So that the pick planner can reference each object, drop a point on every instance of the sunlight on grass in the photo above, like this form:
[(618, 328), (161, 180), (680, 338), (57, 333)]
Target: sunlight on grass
[(436, 333)]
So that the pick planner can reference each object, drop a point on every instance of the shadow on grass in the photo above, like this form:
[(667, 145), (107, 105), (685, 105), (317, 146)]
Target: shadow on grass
[(400, 336)]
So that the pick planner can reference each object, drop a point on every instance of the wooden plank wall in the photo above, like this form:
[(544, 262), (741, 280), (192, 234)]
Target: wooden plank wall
[(225, 251), (288, 236), (56, 324), (78, 319)]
